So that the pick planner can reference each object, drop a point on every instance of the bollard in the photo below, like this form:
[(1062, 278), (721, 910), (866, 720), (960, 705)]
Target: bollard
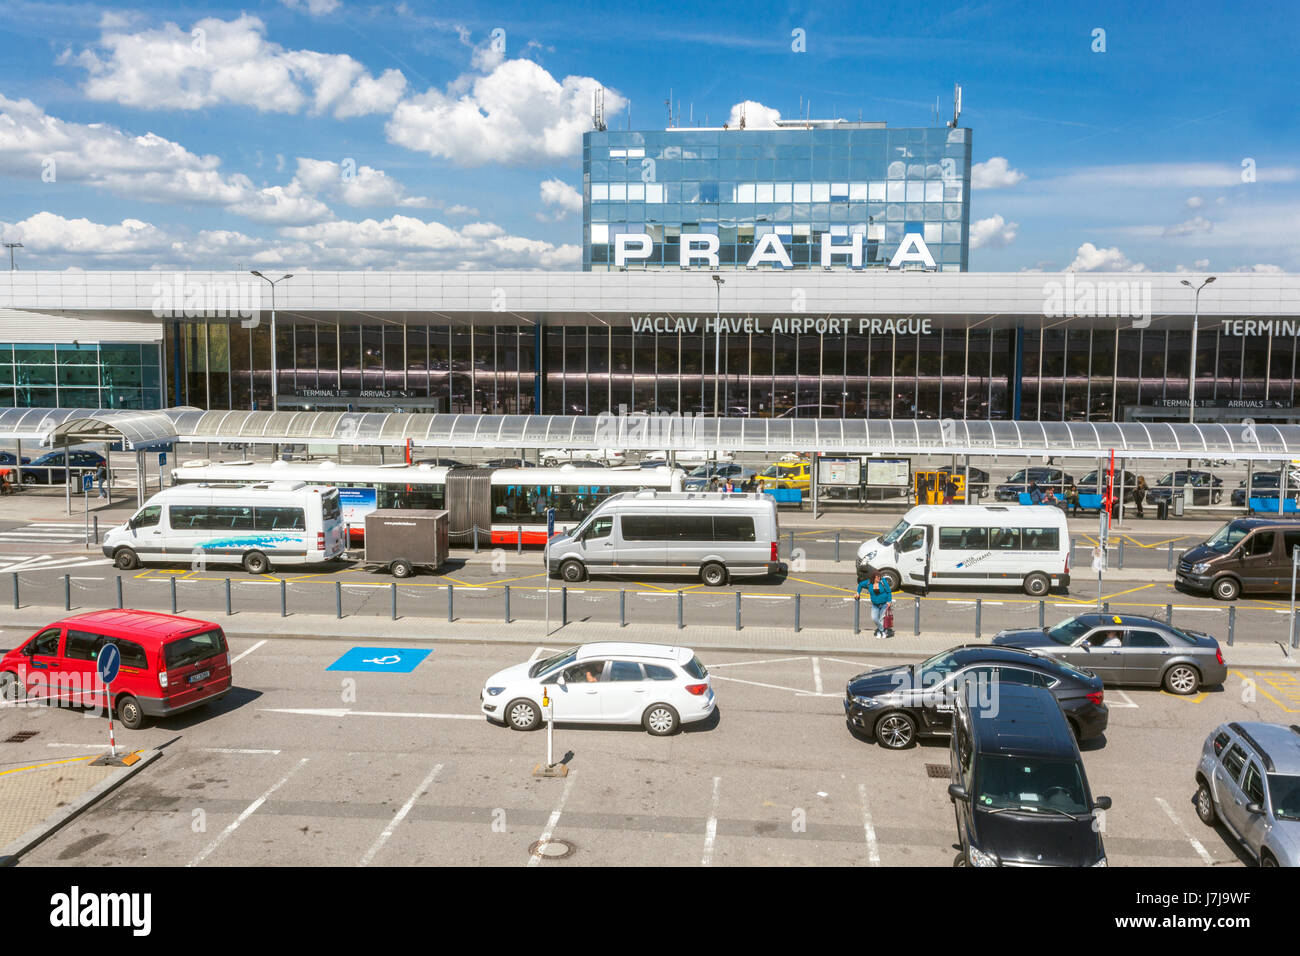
[(857, 614), (680, 623), (284, 600), (1169, 614), (338, 600), (67, 593), (507, 604), (979, 606), (564, 606), (96, 522), (1232, 624), (1042, 611), (173, 590), (119, 592), (791, 551), (1169, 564), (622, 608), (1120, 564), (228, 609), (476, 537), (837, 547), (392, 602), (796, 612), (519, 539), (738, 610), (1073, 562), (451, 602), (916, 616), (16, 590)]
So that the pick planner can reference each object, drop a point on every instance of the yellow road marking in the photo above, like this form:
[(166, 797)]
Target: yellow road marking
[(818, 584), (52, 763), (1191, 700), (524, 578)]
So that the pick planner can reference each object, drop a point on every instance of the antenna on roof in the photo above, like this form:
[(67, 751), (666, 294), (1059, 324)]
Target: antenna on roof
[(956, 105), (669, 103), (598, 109)]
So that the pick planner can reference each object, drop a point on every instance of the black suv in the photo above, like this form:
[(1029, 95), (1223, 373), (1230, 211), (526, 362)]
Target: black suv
[(1018, 483), (895, 705), (1018, 788)]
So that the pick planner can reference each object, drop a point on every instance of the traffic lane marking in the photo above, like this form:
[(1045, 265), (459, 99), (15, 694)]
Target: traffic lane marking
[(248, 812), (1284, 683), (348, 712), (243, 654), (1196, 844), (51, 763), (400, 816), (553, 821)]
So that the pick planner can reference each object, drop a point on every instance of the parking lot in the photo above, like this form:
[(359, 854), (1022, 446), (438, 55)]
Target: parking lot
[(300, 765)]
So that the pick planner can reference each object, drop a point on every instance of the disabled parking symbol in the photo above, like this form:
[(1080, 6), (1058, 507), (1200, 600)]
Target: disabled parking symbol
[(391, 660)]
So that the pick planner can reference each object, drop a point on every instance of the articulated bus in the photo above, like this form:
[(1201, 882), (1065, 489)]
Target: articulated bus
[(505, 504)]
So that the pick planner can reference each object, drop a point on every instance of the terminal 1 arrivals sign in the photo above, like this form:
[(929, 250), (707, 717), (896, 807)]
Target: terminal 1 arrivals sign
[(701, 249)]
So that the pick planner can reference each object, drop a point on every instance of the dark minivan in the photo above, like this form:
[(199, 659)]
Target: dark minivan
[(1246, 555), (1017, 783)]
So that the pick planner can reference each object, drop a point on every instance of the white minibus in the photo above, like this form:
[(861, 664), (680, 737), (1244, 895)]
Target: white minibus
[(281, 522), (1024, 546)]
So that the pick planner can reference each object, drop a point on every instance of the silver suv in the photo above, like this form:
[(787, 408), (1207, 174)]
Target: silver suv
[(1249, 779)]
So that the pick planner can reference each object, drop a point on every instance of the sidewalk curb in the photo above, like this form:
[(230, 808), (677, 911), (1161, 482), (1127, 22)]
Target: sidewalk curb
[(9, 855)]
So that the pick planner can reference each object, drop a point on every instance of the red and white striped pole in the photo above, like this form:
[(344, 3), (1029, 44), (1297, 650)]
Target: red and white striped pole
[(112, 741)]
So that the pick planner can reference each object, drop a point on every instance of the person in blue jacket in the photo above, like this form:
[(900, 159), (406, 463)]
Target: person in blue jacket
[(877, 586)]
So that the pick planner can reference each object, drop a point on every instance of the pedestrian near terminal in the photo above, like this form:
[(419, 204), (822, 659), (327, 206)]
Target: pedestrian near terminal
[(101, 475), (877, 587), (1035, 493), (1072, 498), (949, 491), (1140, 494)]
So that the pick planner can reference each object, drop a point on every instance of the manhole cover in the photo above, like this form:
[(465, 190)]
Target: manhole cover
[(21, 736), (551, 849), (937, 770)]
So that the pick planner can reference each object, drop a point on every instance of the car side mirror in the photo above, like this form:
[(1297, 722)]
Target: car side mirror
[(560, 680), (957, 792), (1101, 803), (1254, 808)]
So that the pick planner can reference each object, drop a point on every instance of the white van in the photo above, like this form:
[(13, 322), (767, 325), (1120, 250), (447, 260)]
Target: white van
[(710, 534), (963, 545), (285, 522)]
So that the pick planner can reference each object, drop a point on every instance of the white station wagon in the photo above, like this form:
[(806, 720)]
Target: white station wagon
[(654, 685)]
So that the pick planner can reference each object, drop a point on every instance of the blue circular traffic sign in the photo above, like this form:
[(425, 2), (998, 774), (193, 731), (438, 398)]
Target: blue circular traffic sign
[(108, 662)]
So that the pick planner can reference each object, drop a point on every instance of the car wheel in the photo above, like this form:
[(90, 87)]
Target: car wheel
[(522, 714), (11, 688), (129, 713), (896, 731), (29, 478), (1226, 589), (1182, 679), (255, 562), (401, 568), (1037, 584), (572, 571), (713, 574), (124, 559), (1205, 805), (660, 720), (894, 578)]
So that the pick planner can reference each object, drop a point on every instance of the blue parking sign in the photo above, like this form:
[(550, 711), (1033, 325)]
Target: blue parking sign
[(87, 481), (108, 662), (550, 522), (391, 660)]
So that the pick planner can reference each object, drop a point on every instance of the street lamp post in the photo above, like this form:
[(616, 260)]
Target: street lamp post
[(717, 351), (1196, 321), (275, 384)]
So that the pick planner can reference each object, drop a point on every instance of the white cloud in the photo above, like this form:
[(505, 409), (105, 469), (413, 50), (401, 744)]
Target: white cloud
[(228, 61), (993, 231), (82, 239), (1259, 267), (755, 115), (282, 206), (1201, 263), (1189, 226), (1091, 259), (1194, 202), (994, 174), (355, 185), (459, 210), (561, 197), (315, 7), (516, 114), (1181, 175)]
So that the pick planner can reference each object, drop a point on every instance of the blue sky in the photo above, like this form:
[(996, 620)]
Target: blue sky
[(351, 134)]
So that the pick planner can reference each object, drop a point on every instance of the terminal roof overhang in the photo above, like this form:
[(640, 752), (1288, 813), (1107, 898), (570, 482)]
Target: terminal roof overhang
[(950, 299), (1129, 440)]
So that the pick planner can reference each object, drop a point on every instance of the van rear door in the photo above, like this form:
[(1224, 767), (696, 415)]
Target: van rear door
[(196, 665)]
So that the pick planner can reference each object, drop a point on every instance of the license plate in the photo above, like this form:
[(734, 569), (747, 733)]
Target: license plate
[(201, 675)]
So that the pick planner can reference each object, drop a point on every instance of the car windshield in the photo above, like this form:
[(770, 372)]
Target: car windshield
[(1030, 784), (1226, 538), (701, 472), (934, 670), (551, 663), (1068, 631), (1169, 478), (192, 649), (895, 532), (1018, 476), (770, 472), (1284, 789)]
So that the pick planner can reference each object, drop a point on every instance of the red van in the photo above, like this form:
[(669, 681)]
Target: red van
[(169, 664)]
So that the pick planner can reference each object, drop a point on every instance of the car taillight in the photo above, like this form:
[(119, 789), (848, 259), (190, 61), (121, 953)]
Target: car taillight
[(774, 557), (697, 689), (1218, 653), (162, 678), (1097, 696), (320, 540), (1067, 564)]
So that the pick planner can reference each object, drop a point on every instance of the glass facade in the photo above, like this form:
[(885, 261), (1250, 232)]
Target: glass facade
[(103, 375), (1064, 373), (842, 179)]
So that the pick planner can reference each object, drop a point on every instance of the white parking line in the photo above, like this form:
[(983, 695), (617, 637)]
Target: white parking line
[(346, 712), (237, 750), (772, 660), (236, 660), (401, 815), (248, 812), (817, 675), (1196, 844), (754, 683), (868, 828), (553, 822), (1128, 701), (711, 827)]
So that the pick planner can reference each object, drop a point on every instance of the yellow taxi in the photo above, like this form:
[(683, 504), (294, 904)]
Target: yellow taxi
[(786, 474)]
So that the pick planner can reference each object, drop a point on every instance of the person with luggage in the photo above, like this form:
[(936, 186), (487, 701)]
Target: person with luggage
[(877, 587), (1140, 494)]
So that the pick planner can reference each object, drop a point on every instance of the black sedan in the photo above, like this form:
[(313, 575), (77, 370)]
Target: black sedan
[(51, 469), (7, 458), (1263, 484), (1018, 484), (1206, 488), (896, 705), (1129, 649)]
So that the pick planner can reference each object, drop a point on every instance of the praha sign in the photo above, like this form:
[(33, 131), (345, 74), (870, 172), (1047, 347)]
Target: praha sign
[(701, 248)]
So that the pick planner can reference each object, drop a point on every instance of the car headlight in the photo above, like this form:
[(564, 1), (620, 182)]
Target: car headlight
[(1201, 568), (865, 701), (493, 691), (980, 858)]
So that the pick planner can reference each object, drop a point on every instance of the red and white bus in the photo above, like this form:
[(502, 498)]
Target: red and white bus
[(505, 504)]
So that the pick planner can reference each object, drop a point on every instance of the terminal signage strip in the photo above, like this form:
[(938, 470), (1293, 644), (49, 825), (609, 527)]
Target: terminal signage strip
[(701, 248)]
